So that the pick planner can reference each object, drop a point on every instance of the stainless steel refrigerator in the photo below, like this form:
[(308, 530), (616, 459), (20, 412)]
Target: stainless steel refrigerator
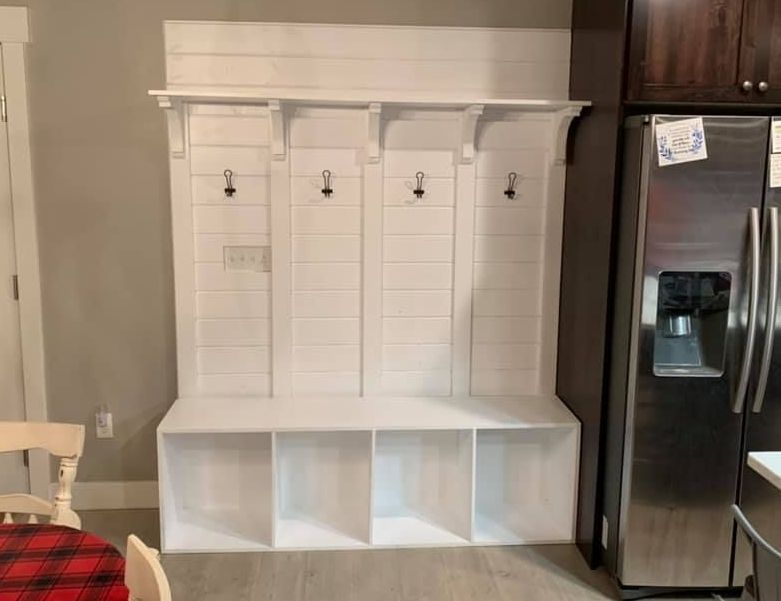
[(694, 372)]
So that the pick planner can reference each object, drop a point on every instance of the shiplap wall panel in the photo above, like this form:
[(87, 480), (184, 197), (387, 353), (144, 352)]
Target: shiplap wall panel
[(329, 248), (510, 78), (326, 250), (509, 258), (368, 41), (232, 304), (213, 160), (233, 360), (210, 190), (417, 267), (413, 310), (232, 307)]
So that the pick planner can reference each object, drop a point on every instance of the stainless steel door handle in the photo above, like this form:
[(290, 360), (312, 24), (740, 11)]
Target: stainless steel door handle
[(751, 326), (770, 320)]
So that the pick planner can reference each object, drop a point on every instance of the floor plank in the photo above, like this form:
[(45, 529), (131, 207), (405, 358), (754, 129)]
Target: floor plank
[(534, 573)]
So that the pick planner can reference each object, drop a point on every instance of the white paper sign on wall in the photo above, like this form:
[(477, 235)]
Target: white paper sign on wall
[(681, 142)]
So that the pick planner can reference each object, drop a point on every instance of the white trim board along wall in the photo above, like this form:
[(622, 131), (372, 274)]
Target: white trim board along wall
[(409, 290)]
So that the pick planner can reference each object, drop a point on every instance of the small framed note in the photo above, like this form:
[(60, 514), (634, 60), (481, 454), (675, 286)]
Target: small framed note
[(681, 142)]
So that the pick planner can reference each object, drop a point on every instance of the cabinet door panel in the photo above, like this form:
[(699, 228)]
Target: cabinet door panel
[(767, 46), (686, 50)]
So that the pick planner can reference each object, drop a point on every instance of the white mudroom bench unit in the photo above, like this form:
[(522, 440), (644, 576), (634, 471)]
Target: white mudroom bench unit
[(367, 245)]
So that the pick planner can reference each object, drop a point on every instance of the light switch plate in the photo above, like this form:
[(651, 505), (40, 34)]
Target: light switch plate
[(104, 424), (604, 532), (247, 258)]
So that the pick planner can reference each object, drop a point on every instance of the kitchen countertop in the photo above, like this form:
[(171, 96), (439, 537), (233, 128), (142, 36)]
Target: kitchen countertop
[(768, 465)]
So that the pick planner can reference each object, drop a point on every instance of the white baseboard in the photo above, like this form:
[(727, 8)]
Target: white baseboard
[(135, 494)]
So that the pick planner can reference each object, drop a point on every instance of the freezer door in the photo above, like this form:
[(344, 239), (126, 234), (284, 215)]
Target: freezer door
[(761, 501), (683, 425)]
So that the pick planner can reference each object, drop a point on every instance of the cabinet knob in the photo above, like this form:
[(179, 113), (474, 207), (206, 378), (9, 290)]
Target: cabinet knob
[(763, 86), (747, 85)]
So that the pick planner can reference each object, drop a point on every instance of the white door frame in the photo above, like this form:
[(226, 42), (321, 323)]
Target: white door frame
[(14, 34)]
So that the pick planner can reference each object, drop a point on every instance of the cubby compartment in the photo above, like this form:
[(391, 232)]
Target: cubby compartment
[(218, 491), (525, 485), (323, 489), (422, 487)]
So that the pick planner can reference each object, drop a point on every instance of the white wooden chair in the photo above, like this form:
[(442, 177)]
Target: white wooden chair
[(62, 440), (144, 576)]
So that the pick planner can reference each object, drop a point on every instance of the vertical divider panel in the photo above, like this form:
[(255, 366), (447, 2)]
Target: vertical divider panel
[(554, 231), (462, 277), (274, 492), (372, 278), (281, 327), (184, 263), (372, 476), (473, 480)]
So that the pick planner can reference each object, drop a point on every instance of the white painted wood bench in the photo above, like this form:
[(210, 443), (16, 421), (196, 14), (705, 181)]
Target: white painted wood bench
[(246, 474)]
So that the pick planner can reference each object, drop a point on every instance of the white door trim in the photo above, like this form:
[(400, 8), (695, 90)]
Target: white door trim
[(14, 34)]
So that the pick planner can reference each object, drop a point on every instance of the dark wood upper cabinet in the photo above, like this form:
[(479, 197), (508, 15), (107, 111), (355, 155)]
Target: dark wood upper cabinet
[(705, 51)]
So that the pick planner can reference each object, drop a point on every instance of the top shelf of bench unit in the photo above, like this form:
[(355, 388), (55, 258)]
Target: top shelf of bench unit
[(362, 98), (258, 414)]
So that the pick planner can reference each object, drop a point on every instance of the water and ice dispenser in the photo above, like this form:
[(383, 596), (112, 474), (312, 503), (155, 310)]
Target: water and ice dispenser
[(691, 323)]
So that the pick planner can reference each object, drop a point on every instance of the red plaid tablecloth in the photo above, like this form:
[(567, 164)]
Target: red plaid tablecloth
[(43, 562)]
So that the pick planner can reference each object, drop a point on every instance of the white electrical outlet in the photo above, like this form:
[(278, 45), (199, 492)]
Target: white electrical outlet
[(104, 423), (604, 532), (247, 258)]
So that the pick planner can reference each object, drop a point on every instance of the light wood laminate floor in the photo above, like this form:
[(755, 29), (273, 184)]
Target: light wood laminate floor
[(549, 573)]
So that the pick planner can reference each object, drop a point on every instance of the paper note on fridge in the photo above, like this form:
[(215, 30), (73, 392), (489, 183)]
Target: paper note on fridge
[(774, 177), (775, 135), (681, 142)]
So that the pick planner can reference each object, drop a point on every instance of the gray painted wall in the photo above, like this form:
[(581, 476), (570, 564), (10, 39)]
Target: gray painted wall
[(101, 184)]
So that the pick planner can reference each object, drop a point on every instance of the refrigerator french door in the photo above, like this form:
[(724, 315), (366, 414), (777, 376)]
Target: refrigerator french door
[(689, 352)]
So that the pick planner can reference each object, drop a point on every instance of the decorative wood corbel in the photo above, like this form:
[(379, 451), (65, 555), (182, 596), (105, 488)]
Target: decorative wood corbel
[(276, 122), (469, 118), (174, 112), (373, 121), (562, 120)]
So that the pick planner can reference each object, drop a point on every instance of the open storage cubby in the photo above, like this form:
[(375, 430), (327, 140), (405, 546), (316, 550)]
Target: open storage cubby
[(422, 487), (323, 489), (524, 485), (218, 491)]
